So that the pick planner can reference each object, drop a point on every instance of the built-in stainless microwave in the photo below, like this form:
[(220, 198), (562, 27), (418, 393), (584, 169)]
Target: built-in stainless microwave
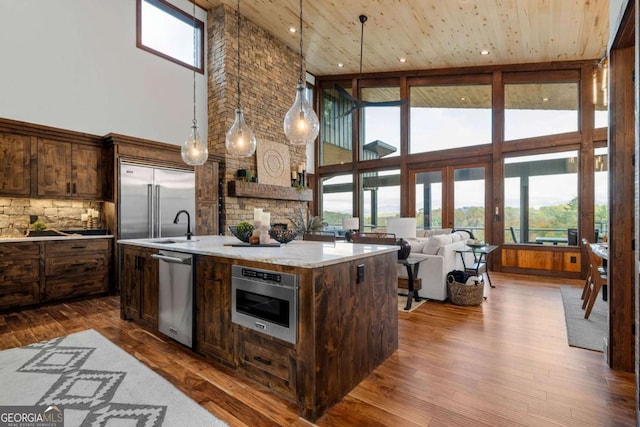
[(265, 301)]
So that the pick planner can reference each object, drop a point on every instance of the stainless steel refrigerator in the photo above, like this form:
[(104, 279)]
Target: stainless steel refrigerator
[(150, 198)]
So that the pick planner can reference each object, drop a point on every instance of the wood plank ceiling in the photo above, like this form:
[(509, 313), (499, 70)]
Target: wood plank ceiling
[(433, 34)]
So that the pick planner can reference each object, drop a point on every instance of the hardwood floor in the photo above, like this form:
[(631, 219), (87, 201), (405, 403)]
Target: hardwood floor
[(504, 363)]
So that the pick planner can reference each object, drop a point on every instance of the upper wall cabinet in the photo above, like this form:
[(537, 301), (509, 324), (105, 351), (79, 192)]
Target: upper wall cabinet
[(42, 161), (15, 172), (69, 170)]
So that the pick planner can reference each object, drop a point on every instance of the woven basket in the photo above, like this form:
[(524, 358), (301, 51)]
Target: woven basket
[(461, 294)]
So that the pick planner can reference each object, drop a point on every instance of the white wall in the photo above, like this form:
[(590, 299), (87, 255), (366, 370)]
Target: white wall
[(74, 64)]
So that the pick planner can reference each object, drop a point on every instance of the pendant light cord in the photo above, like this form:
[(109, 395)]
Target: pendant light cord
[(195, 122), (238, 58), (363, 19), (300, 81)]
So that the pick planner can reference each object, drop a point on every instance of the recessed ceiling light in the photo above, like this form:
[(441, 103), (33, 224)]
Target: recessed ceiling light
[(403, 60), (340, 64), (292, 29), (463, 99), (484, 52), (545, 99)]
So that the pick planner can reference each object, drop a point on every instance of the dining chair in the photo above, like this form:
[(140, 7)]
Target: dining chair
[(585, 253), (598, 279), (320, 236)]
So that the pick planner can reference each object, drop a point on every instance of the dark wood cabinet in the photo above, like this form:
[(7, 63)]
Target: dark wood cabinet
[(207, 194), (86, 176), (19, 274), (76, 268), (139, 285), (69, 170), (33, 272), (15, 169), (207, 218), (207, 177), (215, 331), (268, 362), (130, 283)]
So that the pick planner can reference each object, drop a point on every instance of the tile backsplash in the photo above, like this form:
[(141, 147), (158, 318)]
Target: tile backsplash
[(56, 213)]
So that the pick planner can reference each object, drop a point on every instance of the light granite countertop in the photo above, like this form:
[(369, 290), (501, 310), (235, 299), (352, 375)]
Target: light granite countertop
[(49, 238), (298, 253)]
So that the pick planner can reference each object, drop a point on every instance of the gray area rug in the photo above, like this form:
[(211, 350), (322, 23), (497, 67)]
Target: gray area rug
[(584, 333), (91, 382)]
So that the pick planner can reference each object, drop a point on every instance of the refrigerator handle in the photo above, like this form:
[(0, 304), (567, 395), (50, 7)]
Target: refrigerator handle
[(158, 215), (150, 209)]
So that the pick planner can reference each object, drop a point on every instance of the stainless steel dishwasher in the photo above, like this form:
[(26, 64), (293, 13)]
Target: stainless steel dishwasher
[(175, 274)]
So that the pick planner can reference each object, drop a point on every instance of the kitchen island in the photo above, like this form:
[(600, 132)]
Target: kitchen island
[(346, 320)]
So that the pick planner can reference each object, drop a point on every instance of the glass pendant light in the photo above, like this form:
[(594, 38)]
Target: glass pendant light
[(240, 140), (301, 125), (193, 151)]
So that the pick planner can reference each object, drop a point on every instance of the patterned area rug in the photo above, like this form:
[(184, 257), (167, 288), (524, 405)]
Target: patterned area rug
[(94, 383), (584, 333)]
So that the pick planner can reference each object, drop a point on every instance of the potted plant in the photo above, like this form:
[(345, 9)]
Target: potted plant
[(306, 223)]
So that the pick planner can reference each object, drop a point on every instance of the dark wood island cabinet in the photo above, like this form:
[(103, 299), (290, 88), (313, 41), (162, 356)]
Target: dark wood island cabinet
[(347, 320), (139, 285)]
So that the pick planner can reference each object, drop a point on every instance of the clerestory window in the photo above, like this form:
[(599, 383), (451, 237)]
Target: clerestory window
[(166, 31)]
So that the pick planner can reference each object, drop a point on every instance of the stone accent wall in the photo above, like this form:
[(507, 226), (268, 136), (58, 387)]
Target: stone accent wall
[(269, 75), (60, 214)]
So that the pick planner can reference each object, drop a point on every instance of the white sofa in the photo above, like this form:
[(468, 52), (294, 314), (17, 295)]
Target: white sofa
[(440, 247)]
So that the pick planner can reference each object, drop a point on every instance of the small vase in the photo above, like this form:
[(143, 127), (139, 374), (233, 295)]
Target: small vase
[(405, 248)]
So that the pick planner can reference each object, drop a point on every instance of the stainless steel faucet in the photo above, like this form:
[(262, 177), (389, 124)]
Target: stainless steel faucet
[(176, 220)]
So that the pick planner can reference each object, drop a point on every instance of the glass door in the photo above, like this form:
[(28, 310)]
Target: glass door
[(451, 197), (428, 199), (469, 200)]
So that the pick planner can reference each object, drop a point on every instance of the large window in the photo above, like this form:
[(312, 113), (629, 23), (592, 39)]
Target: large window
[(170, 33), (337, 200), (441, 145), (541, 198), (336, 128), (600, 101), (601, 193), (449, 116), (380, 197), (381, 125), (539, 109)]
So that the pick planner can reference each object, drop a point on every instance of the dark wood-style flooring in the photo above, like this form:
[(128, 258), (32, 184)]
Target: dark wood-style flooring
[(504, 363)]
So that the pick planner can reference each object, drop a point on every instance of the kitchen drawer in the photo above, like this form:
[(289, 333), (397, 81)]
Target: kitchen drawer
[(19, 294), (267, 361), (71, 287), (59, 247), (19, 249), (76, 264), (19, 269)]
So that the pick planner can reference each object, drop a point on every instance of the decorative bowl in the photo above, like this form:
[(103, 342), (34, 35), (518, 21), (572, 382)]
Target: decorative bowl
[(283, 236), (242, 233)]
